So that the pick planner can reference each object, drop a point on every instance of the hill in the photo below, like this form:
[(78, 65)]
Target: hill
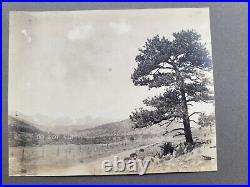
[(22, 132), (120, 128), (22, 126), (108, 129)]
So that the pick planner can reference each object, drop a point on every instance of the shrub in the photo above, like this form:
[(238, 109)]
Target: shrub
[(167, 148)]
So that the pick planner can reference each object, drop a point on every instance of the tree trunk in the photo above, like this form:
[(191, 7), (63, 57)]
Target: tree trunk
[(185, 118), (187, 131), (186, 121)]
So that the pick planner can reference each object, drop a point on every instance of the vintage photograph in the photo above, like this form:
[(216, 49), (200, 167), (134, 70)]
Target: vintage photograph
[(110, 92)]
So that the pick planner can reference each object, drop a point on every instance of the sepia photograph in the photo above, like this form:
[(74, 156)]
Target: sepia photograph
[(111, 92)]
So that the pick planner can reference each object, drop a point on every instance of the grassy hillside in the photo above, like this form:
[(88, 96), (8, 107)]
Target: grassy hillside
[(120, 128), (21, 126), (109, 129)]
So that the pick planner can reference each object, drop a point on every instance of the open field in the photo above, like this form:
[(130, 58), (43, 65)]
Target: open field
[(55, 160), (32, 159)]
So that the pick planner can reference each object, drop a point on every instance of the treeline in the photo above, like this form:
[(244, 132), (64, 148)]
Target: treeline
[(36, 139), (23, 134)]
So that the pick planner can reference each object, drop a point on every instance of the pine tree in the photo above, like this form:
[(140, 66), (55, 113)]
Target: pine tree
[(178, 66)]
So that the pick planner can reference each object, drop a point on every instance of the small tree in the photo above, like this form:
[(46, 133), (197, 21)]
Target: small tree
[(206, 120), (179, 67)]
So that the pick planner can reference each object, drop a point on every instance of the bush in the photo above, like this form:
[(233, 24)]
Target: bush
[(206, 120), (167, 148)]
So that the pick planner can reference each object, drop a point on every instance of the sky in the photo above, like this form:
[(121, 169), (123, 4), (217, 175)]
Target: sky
[(78, 63)]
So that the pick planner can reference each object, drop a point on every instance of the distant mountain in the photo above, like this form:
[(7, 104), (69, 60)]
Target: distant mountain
[(60, 125), (119, 128)]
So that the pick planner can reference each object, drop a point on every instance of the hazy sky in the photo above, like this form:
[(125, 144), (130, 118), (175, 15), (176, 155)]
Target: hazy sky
[(78, 63)]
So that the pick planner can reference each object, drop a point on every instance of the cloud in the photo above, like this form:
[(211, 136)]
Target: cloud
[(80, 32), (120, 27), (26, 35)]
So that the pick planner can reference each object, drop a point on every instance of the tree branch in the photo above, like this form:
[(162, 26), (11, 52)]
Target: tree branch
[(168, 123), (194, 122), (194, 113), (179, 134), (177, 129), (173, 131)]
